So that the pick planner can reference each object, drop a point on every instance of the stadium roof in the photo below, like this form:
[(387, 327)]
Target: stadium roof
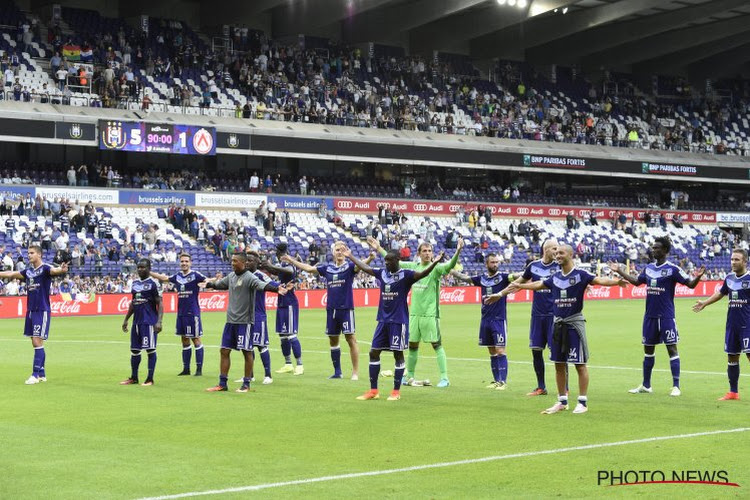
[(642, 35)]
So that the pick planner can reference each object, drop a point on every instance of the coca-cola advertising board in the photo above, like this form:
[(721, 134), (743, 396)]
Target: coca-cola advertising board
[(508, 210), (116, 304)]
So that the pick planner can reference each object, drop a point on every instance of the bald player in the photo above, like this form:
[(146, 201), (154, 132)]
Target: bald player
[(540, 329), (568, 289)]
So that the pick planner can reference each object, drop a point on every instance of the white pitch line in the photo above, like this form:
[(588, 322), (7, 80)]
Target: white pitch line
[(472, 360), (440, 465)]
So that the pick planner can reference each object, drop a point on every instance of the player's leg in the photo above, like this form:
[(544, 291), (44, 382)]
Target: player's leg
[(583, 387), (674, 366), (151, 353), (187, 355), (498, 336), (248, 374), (380, 341), (650, 337), (261, 328), (294, 341), (493, 368), (282, 328), (733, 341), (34, 326), (198, 329), (437, 344), (333, 332), (374, 374), (561, 380), (398, 357), (334, 341), (198, 356), (229, 341), (538, 340), (415, 337), (135, 355), (351, 339)]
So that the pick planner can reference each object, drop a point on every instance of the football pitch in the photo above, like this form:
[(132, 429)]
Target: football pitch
[(82, 435)]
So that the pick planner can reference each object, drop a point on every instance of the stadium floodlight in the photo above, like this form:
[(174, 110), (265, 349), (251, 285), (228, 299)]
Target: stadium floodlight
[(501, 2), (511, 2), (522, 4), (565, 10)]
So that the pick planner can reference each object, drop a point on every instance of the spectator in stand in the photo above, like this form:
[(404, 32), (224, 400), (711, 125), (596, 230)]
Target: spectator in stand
[(71, 176), (254, 183)]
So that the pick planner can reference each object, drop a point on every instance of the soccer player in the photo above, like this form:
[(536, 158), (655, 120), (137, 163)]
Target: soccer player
[(392, 332), (737, 334), (659, 325), (424, 320), (237, 334), (493, 329), (260, 328), (188, 326), (287, 313), (147, 310), (569, 344), (38, 277), (540, 329), (339, 277)]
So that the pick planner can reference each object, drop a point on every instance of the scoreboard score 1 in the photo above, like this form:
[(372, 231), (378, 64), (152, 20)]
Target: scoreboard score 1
[(157, 138)]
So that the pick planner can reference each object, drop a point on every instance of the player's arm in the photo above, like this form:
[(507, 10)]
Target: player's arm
[(461, 277), (620, 269), (59, 271), (610, 281), (361, 265), (278, 271), (367, 261), (376, 246), (532, 285), (222, 284), (11, 275), (492, 298), (163, 278), (693, 282), (127, 317), (300, 265), (159, 312), (418, 275), (444, 268), (702, 304)]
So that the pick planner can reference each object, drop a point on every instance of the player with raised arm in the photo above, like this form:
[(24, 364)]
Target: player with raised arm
[(260, 325), (392, 331), (659, 325), (189, 326), (237, 334), (339, 276), (424, 320), (493, 329), (737, 332), (147, 310), (287, 313), (541, 326), (569, 344), (38, 277)]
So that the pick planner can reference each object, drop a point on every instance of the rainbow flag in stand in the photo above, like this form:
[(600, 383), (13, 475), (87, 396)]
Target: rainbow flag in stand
[(72, 52)]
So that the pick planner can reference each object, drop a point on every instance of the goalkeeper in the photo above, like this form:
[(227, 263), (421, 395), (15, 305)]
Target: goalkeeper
[(424, 312)]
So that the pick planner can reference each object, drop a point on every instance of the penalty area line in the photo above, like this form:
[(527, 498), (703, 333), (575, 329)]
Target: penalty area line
[(440, 465)]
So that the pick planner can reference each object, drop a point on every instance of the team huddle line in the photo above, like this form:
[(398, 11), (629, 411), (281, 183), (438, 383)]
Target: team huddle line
[(557, 320)]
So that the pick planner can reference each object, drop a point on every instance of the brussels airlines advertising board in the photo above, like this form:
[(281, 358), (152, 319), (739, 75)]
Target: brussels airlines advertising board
[(157, 138)]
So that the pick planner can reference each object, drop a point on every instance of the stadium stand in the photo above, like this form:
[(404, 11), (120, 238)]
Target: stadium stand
[(174, 70)]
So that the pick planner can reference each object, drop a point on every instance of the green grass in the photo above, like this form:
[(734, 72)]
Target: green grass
[(81, 435)]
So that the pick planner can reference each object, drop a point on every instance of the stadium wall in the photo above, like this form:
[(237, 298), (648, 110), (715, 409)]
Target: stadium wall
[(116, 304), (248, 201)]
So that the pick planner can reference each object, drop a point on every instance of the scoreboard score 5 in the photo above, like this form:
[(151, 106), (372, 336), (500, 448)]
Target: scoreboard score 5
[(157, 137)]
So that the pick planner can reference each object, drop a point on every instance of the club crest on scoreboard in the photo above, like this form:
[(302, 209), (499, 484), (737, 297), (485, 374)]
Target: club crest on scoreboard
[(114, 135)]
